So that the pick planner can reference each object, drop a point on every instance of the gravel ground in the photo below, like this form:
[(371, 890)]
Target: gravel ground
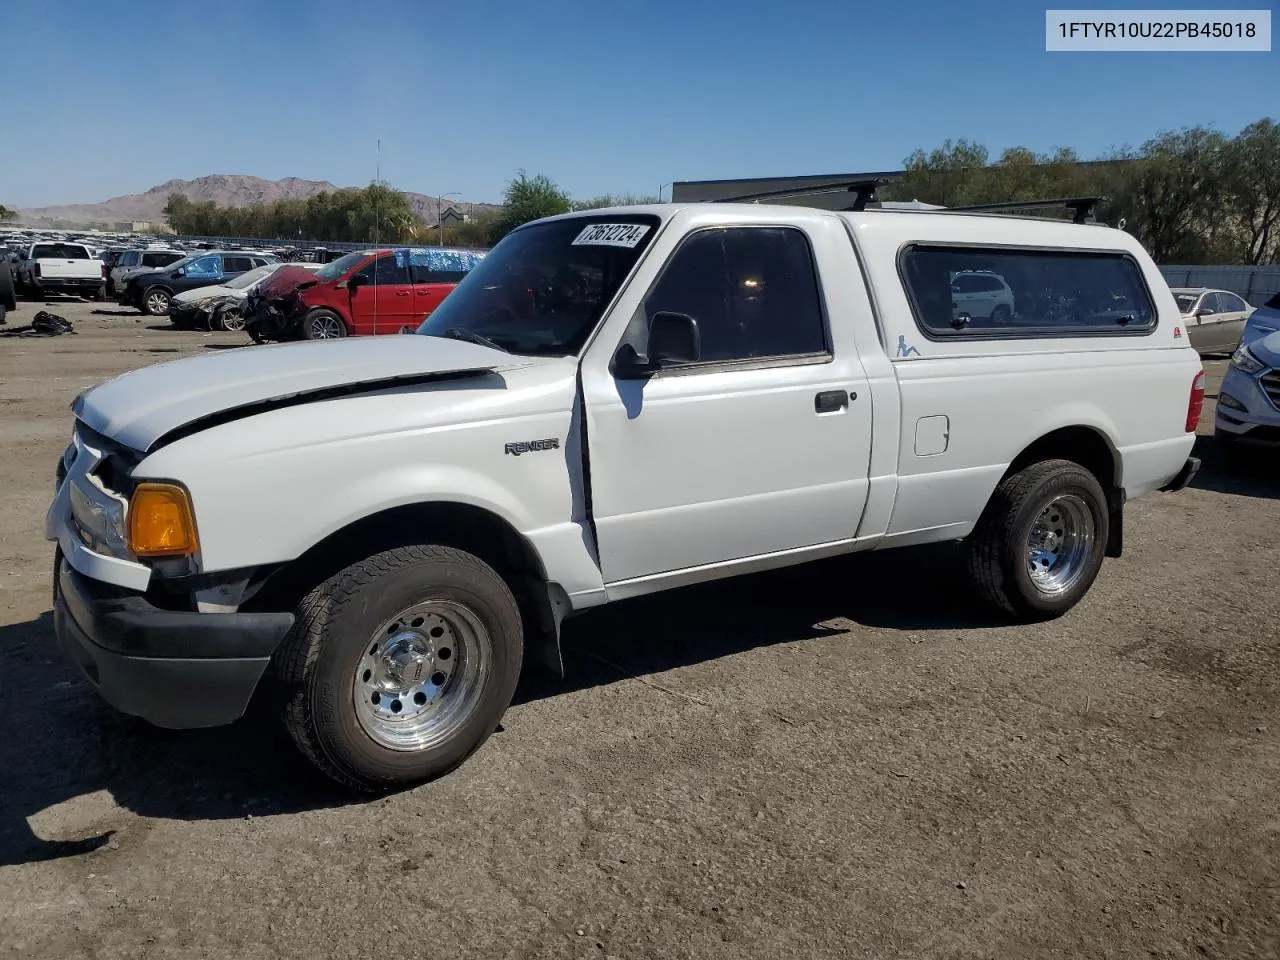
[(848, 759)]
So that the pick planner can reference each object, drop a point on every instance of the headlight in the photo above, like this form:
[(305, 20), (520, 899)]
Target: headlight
[(1245, 361), (204, 303)]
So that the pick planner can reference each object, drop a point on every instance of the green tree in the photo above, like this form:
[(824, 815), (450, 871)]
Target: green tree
[(1170, 195), (528, 198), (1251, 189), (614, 200)]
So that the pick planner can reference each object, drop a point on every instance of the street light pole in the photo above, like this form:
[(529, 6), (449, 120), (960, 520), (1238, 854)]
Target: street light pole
[(660, 189)]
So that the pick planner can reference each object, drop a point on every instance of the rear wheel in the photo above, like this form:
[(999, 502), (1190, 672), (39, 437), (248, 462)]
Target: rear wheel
[(155, 302), (323, 325), (400, 666), (1000, 315), (1039, 544)]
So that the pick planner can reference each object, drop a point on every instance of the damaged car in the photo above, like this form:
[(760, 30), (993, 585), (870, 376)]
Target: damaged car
[(360, 294), (222, 306)]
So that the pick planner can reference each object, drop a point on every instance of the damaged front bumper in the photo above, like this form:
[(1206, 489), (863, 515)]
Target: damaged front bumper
[(273, 319)]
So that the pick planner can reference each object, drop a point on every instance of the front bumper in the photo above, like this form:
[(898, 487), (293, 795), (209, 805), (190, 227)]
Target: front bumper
[(273, 319), (1259, 421), (176, 669), (188, 313)]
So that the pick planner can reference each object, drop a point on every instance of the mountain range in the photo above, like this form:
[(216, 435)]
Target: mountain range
[(226, 190)]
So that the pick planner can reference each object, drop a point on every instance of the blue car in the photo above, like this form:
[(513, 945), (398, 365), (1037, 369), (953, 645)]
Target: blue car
[(1265, 320)]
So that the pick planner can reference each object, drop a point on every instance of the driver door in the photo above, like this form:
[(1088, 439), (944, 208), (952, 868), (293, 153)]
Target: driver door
[(385, 303), (760, 446)]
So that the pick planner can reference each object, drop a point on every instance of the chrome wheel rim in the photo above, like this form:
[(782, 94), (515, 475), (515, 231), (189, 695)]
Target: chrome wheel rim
[(1059, 545), (326, 328), (233, 320), (158, 303), (421, 675)]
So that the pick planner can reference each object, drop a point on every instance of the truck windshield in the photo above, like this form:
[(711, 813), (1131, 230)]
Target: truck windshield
[(543, 288)]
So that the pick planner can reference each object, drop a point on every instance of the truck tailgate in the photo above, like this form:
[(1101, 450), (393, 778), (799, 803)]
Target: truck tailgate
[(55, 269)]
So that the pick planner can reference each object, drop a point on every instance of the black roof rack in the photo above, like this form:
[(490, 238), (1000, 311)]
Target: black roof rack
[(864, 192), (1083, 208)]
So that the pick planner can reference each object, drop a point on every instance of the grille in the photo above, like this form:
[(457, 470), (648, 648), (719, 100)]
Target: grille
[(1271, 386)]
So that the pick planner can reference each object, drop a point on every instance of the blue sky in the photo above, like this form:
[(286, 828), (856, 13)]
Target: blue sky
[(601, 96)]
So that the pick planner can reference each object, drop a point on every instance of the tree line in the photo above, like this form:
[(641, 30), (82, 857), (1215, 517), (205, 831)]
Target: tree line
[(377, 213), (1190, 196)]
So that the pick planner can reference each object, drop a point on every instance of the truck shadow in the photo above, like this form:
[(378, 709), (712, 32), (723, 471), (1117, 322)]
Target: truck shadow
[(60, 742), (1245, 472), (705, 622)]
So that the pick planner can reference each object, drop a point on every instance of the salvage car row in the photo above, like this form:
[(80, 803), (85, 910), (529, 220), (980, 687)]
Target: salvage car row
[(364, 293)]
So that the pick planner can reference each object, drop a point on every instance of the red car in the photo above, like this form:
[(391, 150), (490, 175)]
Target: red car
[(360, 294)]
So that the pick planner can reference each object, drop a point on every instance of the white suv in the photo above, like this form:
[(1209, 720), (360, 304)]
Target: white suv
[(612, 403), (981, 293)]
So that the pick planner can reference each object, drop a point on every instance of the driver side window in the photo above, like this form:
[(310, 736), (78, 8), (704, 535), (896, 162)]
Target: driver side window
[(752, 291), (204, 267)]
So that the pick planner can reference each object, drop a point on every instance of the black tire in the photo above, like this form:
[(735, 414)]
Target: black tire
[(111, 288), (998, 547), (3, 311), (1000, 315), (322, 324), (156, 294), (8, 293), (100, 295), (318, 660)]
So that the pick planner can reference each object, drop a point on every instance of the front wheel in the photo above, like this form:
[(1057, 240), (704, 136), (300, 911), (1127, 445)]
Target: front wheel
[(1039, 544), (400, 666), (100, 294), (323, 325)]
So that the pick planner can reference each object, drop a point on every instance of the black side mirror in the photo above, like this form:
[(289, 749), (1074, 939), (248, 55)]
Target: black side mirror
[(1205, 311), (673, 340), (358, 281), (180, 272)]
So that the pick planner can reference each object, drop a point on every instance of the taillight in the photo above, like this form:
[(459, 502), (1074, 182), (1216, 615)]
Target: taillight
[(1195, 403), (104, 271)]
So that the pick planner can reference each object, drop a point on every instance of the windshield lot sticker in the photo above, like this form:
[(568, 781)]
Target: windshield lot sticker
[(611, 235)]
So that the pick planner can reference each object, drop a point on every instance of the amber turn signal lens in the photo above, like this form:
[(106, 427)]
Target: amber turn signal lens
[(161, 522)]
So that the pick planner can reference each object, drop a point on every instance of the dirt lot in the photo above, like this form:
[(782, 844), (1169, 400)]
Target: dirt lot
[(842, 760)]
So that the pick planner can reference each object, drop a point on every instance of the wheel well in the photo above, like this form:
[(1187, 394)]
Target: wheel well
[(449, 524), (1090, 449)]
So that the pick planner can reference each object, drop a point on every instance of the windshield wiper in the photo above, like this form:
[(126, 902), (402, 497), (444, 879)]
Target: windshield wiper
[(459, 333)]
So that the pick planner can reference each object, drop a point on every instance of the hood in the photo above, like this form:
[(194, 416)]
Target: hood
[(285, 281), (140, 408), (217, 291), (1267, 349)]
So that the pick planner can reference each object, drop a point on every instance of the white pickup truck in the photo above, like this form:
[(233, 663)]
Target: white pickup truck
[(613, 403), (60, 267)]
